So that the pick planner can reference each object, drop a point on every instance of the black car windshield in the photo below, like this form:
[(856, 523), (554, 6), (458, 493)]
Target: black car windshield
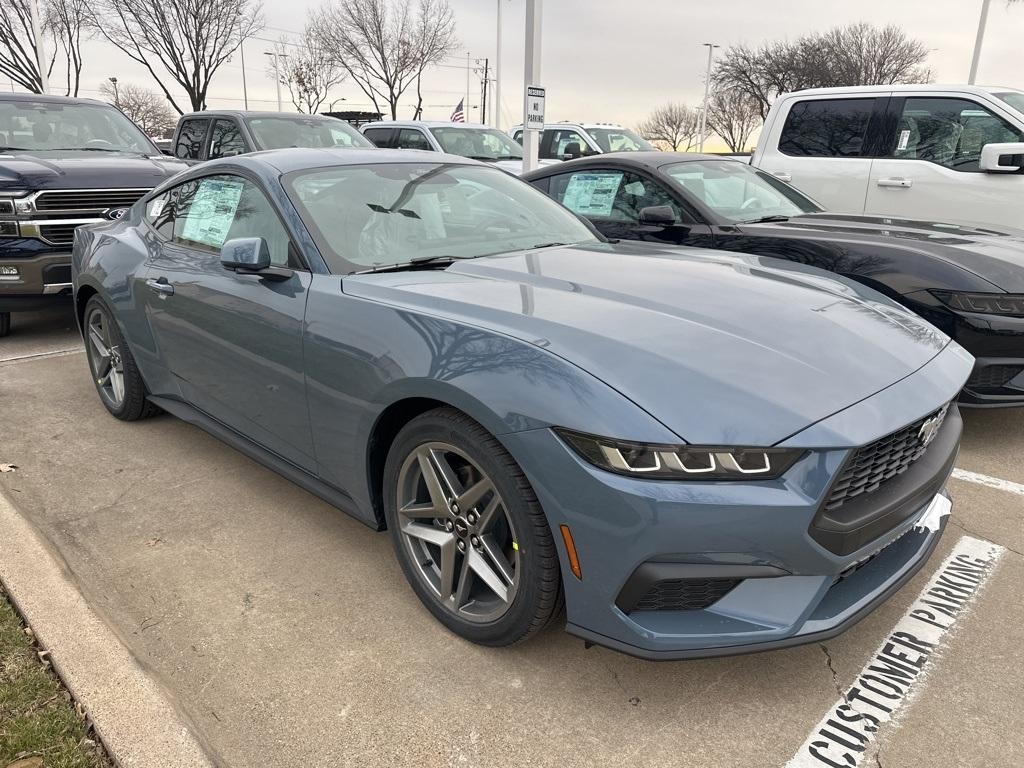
[(49, 125), (620, 140), (317, 132), (480, 143), (1014, 98), (366, 216), (738, 193)]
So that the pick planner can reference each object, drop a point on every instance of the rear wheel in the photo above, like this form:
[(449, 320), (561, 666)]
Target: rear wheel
[(113, 368), (468, 530), (5, 324)]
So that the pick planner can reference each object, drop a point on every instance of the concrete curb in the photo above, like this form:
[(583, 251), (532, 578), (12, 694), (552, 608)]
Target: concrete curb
[(130, 712)]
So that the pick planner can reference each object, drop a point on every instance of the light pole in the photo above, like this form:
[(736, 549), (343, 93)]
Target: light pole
[(707, 93), (976, 59), (245, 87), (531, 137), (277, 75), (496, 109), (117, 99), (37, 37)]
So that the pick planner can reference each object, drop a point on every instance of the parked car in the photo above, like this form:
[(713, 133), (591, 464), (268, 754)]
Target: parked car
[(967, 281), (701, 453), (931, 152), (478, 142), (210, 135), (567, 141), (63, 162)]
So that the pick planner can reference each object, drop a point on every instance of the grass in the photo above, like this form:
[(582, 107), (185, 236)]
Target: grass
[(38, 722)]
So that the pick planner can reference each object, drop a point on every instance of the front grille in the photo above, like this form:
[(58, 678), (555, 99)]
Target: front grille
[(874, 464), (87, 199), (58, 234), (993, 376), (684, 594)]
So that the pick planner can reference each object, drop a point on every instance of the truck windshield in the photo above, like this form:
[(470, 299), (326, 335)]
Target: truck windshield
[(478, 143), (620, 140), (44, 125), (738, 193), (317, 132), (1014, 98)]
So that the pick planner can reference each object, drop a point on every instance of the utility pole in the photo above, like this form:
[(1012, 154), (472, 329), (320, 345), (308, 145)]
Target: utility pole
[(976, 59), (497, 74), (469, 71), (245, 89), (117, 99), (37, 37), (483, 94), (707, 93), (277, 76), (531, 76)]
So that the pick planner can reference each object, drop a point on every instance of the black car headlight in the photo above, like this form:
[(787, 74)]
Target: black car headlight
[(681, 462), (1009, 304)]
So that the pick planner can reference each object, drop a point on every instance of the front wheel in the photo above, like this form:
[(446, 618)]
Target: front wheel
[(113, 368), (468, 531)]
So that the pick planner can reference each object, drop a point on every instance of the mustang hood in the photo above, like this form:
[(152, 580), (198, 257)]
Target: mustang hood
[(722, 349), (73, 169)]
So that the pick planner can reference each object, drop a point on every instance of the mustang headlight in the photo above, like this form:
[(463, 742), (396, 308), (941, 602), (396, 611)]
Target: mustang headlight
[(1008, 304), (681, 462)]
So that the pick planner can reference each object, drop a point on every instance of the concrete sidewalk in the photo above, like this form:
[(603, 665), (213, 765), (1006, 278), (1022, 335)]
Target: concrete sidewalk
[(289, 636)]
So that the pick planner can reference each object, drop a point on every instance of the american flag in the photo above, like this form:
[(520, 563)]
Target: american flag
[(459, 115)]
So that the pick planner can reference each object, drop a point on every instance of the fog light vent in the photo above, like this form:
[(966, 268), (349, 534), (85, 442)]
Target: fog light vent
[(684, 594)]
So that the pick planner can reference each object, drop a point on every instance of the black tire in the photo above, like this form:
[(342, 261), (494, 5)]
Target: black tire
[(5, 324), (538, 597), (134, 405)]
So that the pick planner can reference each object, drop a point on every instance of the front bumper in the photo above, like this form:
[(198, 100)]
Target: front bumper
[(792, 585), (42, 277)]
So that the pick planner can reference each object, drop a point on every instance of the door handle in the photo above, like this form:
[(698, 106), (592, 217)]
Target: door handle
[(896, 181), (782, 175), (161, 286)]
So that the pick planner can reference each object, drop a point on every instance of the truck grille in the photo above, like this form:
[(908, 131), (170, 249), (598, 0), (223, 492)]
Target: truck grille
[(58, 234), (684, 594), (874, 464), (87, 199)]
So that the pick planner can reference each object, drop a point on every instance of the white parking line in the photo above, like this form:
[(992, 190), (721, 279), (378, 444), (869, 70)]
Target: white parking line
[(896, 672), (991, 482), (40, 355)]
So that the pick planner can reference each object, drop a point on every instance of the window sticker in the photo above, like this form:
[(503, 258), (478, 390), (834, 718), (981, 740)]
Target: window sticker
[(156, 206), (212, 211), (904, 140), (592, 194)]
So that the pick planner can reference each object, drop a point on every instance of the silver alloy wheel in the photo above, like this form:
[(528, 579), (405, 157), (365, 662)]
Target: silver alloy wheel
[(105, 358), (458, 532)]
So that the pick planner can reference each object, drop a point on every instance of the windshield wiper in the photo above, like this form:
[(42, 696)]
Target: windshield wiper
[(545, 245), (92, 149), (766, 219), (419, 262), (13, 149)]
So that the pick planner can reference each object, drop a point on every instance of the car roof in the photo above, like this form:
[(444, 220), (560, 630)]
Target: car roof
[(646, 159), (253, 113), (302, 158), (49, 98), (901, 88), (425, 124), (569, 124)]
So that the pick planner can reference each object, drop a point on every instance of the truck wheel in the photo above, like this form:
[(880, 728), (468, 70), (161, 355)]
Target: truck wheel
[(5, 324)]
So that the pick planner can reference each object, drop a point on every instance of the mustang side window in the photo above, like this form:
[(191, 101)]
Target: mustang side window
[(160, 214)]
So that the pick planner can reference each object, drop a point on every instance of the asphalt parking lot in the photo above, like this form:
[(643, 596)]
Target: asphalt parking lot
[(286, 633)]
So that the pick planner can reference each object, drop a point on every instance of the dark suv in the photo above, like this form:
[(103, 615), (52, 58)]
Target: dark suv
[(210, 135), (63, 162)]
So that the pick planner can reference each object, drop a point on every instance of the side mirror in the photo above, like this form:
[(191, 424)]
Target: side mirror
[(657, 214), (572, 150), (246, 253), (1000, 158)]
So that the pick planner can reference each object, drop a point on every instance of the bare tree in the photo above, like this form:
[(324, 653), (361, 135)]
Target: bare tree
[(384, 45), (676, 126), (308, 71), (181, 42), (147, 109), (18, 46), (734, 116), (67, 21), (857, 54)]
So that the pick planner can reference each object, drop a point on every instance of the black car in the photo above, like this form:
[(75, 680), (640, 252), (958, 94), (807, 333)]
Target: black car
[(967, 281), (63, 163)]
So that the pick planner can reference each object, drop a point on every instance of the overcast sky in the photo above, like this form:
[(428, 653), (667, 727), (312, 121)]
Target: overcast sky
[(615, 61)]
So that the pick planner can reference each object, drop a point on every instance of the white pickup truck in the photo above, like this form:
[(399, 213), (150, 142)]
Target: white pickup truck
[(941, 153)]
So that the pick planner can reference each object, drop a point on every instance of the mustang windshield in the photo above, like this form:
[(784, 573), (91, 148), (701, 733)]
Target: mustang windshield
[(366, 216), (44, 125), (739, 193), (284, 132), (480, 144)]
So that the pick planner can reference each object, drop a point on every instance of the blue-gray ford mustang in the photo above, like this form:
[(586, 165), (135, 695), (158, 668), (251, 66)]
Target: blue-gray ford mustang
[(700, 453)]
